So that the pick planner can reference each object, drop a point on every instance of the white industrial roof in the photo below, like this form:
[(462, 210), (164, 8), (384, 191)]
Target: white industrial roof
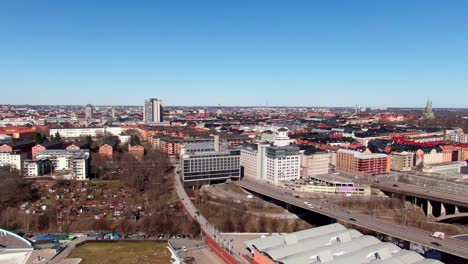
[(332, 244)]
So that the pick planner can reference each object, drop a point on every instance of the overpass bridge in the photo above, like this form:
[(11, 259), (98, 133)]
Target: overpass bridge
[(441, 205), (449, 245)]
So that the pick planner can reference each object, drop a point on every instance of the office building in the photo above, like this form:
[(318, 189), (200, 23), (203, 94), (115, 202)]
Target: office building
[(153, 111), (201, 164), (282, 164), (362, 163), (88, 111), (270, 163)]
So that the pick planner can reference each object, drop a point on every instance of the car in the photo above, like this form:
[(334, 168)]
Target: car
[(437, 244), (352, 219)]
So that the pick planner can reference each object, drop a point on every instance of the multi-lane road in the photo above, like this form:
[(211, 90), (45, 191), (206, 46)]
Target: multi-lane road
[(449, 245), (420, 192)]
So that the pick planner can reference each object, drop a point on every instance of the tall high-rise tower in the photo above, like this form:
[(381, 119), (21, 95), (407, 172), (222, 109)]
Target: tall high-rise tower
[(89, 111), (153, 111), (428, 114)]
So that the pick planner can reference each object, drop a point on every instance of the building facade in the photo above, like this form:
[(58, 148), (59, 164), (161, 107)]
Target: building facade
[(207, 167), (75, 162), (88, 111), (282, 164), (153, 111), (85, 132), (252, 161), (106, 149), (360, 163), (315, 164), (37, 167), (12, 160), (402, 161), (137, 151)]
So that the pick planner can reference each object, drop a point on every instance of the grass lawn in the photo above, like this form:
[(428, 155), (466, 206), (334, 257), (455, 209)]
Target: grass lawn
[(122, 252)]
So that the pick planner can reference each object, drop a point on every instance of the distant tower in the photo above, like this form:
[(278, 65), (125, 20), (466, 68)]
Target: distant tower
[(428, 114), (113, 112), (89, 111), (282, 138), (153, 111), (219, 111)]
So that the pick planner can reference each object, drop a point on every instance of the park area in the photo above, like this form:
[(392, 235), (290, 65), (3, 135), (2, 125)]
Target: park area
[(123, 252)]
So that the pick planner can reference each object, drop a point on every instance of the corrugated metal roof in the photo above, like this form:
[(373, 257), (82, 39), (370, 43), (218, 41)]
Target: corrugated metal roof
[(263, 244), (332, 244)]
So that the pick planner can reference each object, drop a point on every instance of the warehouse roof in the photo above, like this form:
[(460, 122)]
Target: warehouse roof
[(332, 244)]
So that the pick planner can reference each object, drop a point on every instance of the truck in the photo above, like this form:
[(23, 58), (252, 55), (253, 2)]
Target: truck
[(439, 235)]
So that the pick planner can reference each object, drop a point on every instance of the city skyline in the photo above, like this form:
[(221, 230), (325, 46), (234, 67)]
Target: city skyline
[(209, 53)]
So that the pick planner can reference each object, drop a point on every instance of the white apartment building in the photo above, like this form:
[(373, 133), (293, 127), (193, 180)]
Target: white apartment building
[(270, 164), (282, 164), (76, 162), (36, 167), (459, 138), (252, 157), (84, 132), (13, 160)]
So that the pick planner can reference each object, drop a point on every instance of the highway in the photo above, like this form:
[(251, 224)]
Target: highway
[(420, 192), (448, 245)]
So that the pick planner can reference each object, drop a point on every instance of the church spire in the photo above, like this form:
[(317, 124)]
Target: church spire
[(428, 114)]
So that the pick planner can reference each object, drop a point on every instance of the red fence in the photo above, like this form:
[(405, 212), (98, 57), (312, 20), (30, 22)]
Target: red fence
[(228, 259)]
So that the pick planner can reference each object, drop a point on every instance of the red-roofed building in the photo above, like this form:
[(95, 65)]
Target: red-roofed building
[(45, 145), (107, 149)]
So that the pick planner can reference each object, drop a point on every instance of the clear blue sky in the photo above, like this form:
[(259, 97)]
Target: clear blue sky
[(195, 52)]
